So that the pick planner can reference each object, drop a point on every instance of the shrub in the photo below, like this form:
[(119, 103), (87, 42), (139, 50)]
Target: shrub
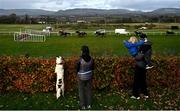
[(37, 75)]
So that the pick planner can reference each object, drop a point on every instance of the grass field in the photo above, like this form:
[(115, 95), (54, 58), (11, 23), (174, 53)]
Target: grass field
[(110, 46), (129, 26), (15, 27), (160, 98)]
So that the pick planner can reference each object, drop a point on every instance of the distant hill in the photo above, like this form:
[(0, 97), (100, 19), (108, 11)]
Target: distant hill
[(93, 12), (169, 11), (89, 12), (34, 12)]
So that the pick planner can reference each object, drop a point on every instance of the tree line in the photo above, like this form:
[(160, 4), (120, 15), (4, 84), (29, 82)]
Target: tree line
[(26, 19)]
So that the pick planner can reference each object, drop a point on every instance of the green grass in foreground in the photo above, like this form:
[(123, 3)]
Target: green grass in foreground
[(110, 46), (159, 99)]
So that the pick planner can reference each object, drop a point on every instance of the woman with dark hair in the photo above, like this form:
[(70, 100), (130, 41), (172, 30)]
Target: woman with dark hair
[(85, 67)]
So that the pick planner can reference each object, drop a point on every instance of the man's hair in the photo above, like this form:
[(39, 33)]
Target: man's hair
[(143, 35)]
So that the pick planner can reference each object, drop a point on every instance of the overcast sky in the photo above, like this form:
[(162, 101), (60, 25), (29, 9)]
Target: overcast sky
[(54, 5)]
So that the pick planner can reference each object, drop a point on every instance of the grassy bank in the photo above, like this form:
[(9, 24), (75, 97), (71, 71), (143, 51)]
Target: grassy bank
[(160, 98)]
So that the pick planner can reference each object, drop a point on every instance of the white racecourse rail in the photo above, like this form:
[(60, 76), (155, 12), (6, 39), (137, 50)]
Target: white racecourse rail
[(26, 37)]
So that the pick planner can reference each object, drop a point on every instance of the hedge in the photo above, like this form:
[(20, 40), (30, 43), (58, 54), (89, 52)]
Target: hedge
[(37, 75)]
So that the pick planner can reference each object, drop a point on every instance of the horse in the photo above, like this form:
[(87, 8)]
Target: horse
[(170, 32), (81, 33), (100, 32), (63, 33)]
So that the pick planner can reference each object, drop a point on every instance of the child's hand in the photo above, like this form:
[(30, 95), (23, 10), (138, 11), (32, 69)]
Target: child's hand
[(145, 40)]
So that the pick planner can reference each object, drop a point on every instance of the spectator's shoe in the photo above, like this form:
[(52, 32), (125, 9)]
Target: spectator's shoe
[(83, 108), (133, 97), (89, 107), (149, 67)]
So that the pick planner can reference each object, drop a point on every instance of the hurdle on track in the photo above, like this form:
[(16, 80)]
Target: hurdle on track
[(26, 37), (30, 31)]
